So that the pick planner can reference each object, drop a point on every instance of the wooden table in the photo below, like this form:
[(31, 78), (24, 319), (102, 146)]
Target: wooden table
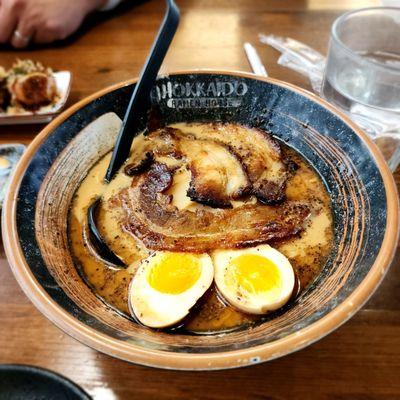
[(361, 360)]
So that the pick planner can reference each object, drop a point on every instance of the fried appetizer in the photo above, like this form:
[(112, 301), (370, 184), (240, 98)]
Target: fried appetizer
[(31, 85)]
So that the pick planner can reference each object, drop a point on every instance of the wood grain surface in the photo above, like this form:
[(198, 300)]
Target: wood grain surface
[(361, 360)]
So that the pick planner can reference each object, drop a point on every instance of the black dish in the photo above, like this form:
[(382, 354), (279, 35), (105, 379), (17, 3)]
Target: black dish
[(24, 382)]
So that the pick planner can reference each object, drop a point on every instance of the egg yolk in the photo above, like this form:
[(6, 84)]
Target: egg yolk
[(175, 273), (255, 274)]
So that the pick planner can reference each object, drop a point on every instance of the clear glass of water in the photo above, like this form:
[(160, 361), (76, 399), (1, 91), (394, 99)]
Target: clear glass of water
[(362, 74)]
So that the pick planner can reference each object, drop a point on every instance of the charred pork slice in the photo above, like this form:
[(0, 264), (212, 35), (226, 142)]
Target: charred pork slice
[(217, 175), (259, 153), (140, 165), (152, 218)]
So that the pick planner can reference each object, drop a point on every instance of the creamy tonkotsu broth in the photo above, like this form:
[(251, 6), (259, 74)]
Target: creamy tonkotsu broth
[(307, 252)]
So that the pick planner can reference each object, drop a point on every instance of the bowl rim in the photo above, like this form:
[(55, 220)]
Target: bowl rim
[(205, 361)]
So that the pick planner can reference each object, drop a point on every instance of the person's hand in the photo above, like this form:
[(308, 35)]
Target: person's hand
[(42, 21)]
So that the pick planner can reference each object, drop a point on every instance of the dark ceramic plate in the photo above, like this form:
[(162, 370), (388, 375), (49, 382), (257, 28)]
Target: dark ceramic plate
[(24, 382), (364, 198)]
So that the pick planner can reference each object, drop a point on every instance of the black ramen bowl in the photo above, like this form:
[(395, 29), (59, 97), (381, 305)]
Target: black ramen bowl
[(362, 189)]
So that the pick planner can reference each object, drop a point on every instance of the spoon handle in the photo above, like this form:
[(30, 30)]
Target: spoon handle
[(140, 102)]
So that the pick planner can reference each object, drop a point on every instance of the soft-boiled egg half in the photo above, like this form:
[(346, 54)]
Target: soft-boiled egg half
[(255, 280), (167, 285)]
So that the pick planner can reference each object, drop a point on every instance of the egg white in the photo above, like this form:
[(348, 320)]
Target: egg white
[(254, 303), (156, 309)]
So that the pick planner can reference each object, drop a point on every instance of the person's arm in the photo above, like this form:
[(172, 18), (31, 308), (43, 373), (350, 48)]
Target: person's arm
[(44, 21)]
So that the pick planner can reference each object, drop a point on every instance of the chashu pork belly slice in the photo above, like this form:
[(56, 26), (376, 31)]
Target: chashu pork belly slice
[(217, 174), (258, 151), (152, 218)]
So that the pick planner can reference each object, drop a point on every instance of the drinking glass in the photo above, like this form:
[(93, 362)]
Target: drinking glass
[(362, 74)]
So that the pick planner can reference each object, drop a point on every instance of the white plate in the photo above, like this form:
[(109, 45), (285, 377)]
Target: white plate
[(46, 113)]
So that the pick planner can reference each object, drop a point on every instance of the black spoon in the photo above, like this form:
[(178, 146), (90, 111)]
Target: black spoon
[(135, 119)]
